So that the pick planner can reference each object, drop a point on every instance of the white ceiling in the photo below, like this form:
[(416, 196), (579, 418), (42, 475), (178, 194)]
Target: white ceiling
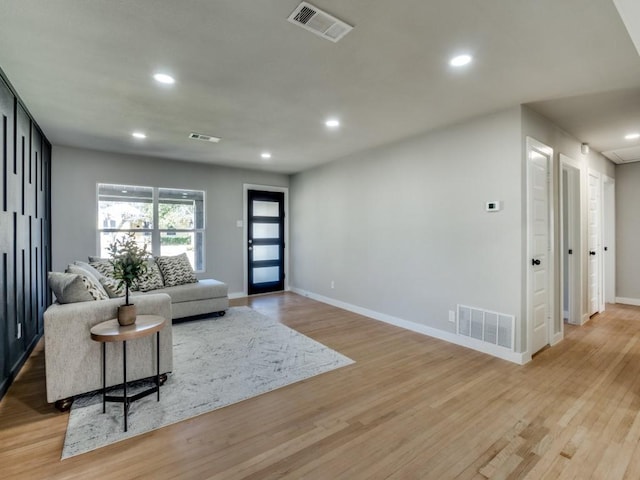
[(247, 75)]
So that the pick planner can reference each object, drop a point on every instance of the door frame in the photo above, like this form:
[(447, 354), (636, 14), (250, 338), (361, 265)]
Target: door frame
[(245, 233), (534, 145), (574, 240)]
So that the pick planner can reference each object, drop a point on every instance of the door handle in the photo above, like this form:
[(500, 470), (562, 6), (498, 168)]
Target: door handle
[(592, 252), (535, 261)]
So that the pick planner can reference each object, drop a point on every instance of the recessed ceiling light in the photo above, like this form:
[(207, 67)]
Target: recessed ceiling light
[(164, 78), (332, 123), (632, 136), (124, 191), (460, 60), (138, 135), (265, 155)]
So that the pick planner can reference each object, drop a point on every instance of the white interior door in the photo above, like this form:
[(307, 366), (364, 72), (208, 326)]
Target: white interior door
[(609, 239), (540, 264), (593, 232)]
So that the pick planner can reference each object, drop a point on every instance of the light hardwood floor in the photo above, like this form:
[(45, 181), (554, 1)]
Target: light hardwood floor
[(411, 407)]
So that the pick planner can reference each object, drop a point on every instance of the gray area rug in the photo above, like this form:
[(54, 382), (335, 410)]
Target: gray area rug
[(216, 362)]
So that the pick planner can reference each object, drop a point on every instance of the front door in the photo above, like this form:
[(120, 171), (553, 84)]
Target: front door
[(539, 260), (265, 236)]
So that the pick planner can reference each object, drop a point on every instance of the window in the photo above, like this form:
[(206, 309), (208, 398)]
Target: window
[(169, 220)]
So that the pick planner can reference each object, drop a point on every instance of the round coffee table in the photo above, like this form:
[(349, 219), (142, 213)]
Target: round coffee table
[(112, 331)]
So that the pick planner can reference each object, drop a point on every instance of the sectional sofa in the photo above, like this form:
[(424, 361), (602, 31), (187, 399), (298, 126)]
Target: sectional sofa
[(73, 361)]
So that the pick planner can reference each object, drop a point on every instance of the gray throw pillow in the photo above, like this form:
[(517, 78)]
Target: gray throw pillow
[(94, 282), (70, 287), (176, 270)]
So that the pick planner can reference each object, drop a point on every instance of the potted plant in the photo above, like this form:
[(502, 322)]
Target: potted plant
[(129, 262)]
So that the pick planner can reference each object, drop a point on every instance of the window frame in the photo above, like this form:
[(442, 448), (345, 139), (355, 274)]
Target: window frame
[(155, 231)]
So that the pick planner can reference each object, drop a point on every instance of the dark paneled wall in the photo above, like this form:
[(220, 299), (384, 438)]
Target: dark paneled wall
[(25, 233)]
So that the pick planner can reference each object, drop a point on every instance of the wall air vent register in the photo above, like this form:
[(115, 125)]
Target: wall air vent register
[(487, 326)]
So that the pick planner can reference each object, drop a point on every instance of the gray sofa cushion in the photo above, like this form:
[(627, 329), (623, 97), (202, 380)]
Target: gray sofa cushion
[(202, 290)]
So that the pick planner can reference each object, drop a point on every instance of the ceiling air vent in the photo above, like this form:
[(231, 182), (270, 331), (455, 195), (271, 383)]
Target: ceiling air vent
[(204, 138), (321, 23)]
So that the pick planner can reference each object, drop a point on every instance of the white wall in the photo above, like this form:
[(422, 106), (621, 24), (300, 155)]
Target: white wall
[(402, 230), (76, 172), (628, 233)]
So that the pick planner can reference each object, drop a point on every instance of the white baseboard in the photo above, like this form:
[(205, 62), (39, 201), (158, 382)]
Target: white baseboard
[(628, 301), (519, 358), (244, 294)]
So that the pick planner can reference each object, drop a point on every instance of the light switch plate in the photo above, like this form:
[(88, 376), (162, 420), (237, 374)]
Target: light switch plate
[(493, 206)]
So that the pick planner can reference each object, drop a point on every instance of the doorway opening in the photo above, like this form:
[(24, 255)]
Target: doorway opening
[(570, 241), (609, 239)]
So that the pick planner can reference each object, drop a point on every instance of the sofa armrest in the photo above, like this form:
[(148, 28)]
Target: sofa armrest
[(72, 359), (92, 313)]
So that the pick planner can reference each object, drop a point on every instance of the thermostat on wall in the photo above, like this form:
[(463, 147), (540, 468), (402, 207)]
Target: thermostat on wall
[(494, 206)]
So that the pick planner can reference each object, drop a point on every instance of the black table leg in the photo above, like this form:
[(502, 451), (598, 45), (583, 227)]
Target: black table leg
[(124, 369), (104, 377), (158, 363)]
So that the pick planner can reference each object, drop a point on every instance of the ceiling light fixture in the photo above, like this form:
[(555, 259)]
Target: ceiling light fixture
[(632, 136), (164, 78), (460, 60), (265, 155), (332, 123), (138, 135)]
